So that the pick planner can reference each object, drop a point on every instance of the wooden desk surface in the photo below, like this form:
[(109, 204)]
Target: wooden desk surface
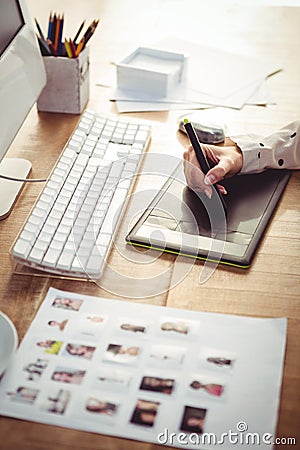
[(270, 288)]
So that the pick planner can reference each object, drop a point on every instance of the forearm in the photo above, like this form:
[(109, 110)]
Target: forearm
[(278, 151)]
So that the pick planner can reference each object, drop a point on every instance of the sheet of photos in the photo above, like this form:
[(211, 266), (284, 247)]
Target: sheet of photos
[(144, 372)]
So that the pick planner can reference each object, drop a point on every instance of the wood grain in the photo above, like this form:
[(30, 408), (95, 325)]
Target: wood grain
[(270, 288)]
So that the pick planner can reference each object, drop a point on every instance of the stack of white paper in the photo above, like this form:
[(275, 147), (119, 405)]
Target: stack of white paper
[(224, 79)]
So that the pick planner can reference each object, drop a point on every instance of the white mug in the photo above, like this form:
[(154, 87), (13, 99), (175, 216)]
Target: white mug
[(8, 341)]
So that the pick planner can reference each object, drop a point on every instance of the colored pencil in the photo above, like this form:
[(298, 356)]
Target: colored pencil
[(78, 32)]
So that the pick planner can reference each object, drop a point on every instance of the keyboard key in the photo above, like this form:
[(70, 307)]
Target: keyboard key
[(22, 248), (141, 136), (96, 262), (51, 257), (114, 211), (36, 255), (103, 239), (65, 261)]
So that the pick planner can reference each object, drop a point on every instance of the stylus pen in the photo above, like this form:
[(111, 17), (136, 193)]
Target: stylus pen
[(200, 155)]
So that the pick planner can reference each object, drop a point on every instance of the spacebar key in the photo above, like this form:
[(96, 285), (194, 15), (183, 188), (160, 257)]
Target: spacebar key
[(114, 211)]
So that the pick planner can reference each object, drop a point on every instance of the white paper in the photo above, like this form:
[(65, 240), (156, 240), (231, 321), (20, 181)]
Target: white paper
[(223, 72), (125, 369), (260, 96), (225, 79), (184, 94), (131, 106), (253, 93)]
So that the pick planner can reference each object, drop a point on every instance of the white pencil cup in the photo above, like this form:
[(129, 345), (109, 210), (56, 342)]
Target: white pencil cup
[(67, 88)]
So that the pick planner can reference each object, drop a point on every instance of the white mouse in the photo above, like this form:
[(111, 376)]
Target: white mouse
[(207, 132)]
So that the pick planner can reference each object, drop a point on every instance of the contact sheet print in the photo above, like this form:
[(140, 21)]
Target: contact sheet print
[(144, 372)]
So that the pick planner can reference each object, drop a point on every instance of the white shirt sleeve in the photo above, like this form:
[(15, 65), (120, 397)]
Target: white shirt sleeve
[(280, 150)]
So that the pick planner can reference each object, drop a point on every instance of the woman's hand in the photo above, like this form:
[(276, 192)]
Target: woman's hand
[(228, 161)]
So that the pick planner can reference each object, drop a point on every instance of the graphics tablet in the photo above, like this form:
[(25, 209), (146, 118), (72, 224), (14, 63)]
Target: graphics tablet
[(181, 221)]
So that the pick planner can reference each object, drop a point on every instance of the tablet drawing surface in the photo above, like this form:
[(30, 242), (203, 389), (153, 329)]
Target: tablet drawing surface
[(181, 221)]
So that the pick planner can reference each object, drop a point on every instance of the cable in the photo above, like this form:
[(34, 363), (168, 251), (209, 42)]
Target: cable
[(24, 180)]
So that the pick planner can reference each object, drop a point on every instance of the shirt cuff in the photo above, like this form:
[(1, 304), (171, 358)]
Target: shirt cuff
[(254, 156)]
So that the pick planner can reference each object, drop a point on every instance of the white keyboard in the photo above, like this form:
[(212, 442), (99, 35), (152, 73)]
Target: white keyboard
[(71, 227)]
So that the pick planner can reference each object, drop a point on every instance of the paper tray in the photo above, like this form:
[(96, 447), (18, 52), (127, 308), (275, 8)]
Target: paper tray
[(156, 72)]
